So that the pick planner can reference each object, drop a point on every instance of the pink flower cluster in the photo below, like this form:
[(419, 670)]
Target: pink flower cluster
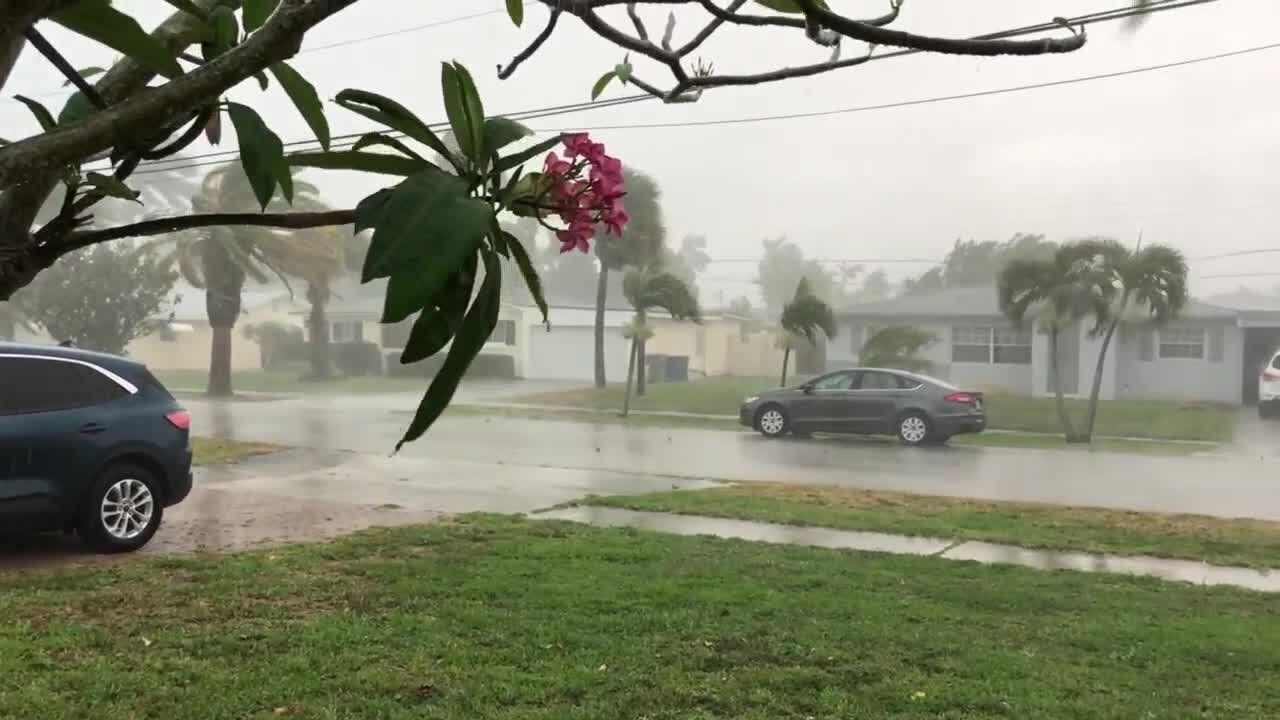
[(585, 191)]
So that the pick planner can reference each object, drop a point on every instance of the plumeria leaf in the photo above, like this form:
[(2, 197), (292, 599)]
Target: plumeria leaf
[(394, 115), (603, 83), (476, 328), (530, 274), (380, 163), (462, 105), (43, 116), (226, 31), (99, 21), (305, 98), (261, 154), (77, 108), (111, 186), (524, 156), (500, 132), (86, 73), (439, 322), (371, 139), (370, 210), (622, 71), (515, 10), (256, 13)]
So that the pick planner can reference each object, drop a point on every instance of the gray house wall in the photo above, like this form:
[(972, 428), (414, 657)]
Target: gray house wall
[(1216, 378)]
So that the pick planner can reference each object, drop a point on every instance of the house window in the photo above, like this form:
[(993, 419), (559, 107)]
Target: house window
[(504, 332), (971, 344), (1182, 344), (397, 335), (1011, 347), (345, 332)]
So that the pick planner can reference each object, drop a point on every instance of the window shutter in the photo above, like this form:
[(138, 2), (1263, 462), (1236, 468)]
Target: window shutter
[(1146, 345), (1216, 338)]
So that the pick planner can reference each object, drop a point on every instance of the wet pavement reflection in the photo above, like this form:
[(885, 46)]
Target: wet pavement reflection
[(986, 553)]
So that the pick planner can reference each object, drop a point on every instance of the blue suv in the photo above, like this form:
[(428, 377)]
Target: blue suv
[(88, 442)]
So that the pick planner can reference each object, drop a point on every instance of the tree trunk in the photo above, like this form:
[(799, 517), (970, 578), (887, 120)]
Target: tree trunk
[(8, 324), (319, 349), (602, 297), (220, 362), (642, 356), (1068, 432), (1097, 380), (786, 358), (631, 367)]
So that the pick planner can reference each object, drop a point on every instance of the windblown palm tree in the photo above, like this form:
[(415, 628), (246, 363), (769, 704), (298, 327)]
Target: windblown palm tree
[(647, 290), (220, 260), (803, 317), (1076, 283)]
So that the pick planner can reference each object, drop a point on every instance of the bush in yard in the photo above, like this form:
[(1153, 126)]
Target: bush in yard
[(499, 367), (279, 345), (358, 359)]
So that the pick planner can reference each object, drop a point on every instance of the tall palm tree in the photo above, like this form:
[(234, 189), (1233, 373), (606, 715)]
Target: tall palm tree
[(646, 290), (1151, 284), (220, 260), (640, 245), (1077, 282), (803, 317)]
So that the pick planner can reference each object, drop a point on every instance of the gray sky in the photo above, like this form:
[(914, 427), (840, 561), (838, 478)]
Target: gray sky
[(1185, 154)]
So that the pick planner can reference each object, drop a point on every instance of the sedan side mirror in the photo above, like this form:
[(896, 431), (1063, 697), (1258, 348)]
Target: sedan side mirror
[(807, 388)]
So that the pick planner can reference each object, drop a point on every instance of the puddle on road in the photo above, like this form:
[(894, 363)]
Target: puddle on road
[(986, 553)]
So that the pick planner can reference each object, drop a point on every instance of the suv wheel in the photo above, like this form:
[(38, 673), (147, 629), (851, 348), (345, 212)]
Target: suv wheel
[(772, 422), (123, 510), (913, 429)]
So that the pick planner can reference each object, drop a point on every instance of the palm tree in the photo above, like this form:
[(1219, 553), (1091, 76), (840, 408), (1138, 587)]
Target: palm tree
[(647, 290), (1077, 282), (220, 260), (802, 318), (639, 246), (1151, 283), (898, 346)]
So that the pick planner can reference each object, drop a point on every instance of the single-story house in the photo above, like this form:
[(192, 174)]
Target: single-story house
[(1209, 353), (723, 344)]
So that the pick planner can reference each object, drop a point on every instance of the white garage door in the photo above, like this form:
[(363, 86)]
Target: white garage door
[(567, 353)]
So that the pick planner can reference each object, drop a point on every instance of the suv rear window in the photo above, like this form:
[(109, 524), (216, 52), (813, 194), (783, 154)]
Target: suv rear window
[(1275, 362), (33, 385)]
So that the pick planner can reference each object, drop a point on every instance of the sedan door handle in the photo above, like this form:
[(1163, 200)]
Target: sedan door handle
[(92, 428)]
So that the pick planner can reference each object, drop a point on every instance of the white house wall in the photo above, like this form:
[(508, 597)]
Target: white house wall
[(568, 353)]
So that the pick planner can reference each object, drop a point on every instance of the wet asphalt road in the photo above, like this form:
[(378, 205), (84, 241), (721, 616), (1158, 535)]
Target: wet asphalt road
[(503, 464)]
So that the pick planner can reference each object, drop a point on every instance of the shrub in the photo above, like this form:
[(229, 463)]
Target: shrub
[(484, 366), (358, 359), (279, 345)]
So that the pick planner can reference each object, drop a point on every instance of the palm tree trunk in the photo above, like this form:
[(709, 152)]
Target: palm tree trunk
[(631, 367), (642, 356), (224, 282), (220, 362), (1097, 379), (318, 328), (602, 296), (1068, 432), (786, 358)]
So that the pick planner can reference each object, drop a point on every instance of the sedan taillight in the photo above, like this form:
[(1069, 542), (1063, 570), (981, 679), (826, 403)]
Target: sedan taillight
[(961, 398), (180, 419)]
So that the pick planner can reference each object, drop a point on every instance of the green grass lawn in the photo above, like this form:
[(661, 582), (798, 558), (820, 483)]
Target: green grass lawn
[(507, 618), (1127, 418), (210, 451), (1192, 537), (289, 381)]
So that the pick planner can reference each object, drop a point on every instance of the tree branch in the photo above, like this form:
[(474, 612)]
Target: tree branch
[(635, 20), (279, 39), (504, 73), (710, 29), (160, 226), (55, 58)]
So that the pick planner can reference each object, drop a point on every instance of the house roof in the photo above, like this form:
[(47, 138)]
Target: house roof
[(189, 305), (982, 302)]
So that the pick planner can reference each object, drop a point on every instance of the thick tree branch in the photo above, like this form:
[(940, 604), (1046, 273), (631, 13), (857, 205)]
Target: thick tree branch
[(160, 226), (504, 73), (50, 53), (278, 40), (18, 15)]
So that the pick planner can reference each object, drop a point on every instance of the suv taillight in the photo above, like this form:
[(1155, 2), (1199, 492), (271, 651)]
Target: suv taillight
[(180, 419), (1271, 374), (961, 398)]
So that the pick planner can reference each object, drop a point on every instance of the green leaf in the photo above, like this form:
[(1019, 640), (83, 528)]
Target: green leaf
[(190, 8), (256, 13), (369, 210), (305, 98), (427, 217), (261, 154), (462, 105), (380, 163), (437, 325), (86, 73), (515, 10), (623, 72), (476, 328), (530, 274), (500, 132), (111, 186), (524, 156), (43, 116), (77, 108), (602, 83), (384, 110), (371, 139), (97, 20), (226, 31)]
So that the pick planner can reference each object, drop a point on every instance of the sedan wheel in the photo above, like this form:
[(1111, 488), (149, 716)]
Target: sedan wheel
[(913, 429), (772, 423)]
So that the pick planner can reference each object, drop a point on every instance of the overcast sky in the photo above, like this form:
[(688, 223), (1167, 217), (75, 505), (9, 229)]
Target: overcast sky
[(1186, 155)]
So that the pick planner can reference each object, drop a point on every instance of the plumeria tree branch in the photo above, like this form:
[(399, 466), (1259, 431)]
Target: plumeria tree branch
[(161, 226)]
